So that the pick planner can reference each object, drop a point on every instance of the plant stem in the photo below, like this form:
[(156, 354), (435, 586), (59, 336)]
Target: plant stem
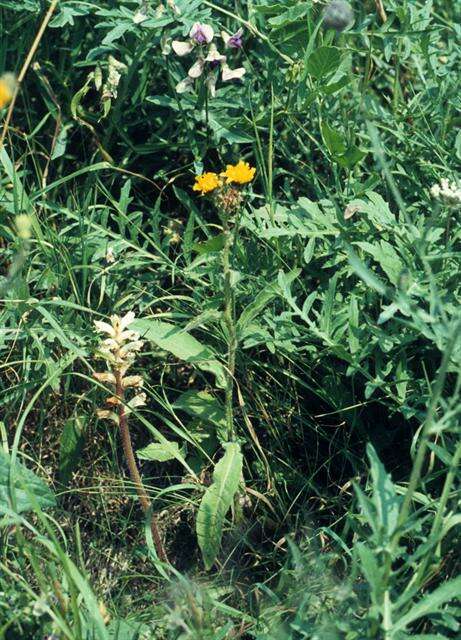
[(438, 520), (416, 471), (230, 326), (133, 468), (25, 66)]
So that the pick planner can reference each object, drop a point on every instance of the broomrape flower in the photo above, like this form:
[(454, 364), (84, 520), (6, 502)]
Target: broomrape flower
[(207, 182), (8, 85), (119, 349), (240, 173), (448, 192)]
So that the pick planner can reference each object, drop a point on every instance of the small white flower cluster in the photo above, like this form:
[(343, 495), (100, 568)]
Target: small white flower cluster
[(208, 58), (448, 192), (119, 349), (114, 74)]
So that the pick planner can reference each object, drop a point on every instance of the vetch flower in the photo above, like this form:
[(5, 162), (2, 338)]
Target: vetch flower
[(234, 41), (240, 173), (196, 69), (231, 74), (185, 86), (182, 48), (201, 33), (214, 56), (207, 182)]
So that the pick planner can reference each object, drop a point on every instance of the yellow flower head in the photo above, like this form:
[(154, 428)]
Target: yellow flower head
[(7, 87), (207, 182), (240, 173)]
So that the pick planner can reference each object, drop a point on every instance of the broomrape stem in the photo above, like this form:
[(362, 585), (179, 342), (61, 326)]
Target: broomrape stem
[(133, 468)]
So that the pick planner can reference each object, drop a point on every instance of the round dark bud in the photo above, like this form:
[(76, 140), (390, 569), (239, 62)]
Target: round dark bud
[(338, 15)]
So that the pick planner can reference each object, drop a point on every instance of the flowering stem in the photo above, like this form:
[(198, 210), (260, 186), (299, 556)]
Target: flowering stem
[(132, 466), (229, 238)]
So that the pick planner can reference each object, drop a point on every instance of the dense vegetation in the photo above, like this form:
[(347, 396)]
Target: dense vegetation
[(252, 205)]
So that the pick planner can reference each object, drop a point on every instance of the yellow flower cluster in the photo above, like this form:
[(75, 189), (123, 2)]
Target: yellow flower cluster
[(240, 173), (207, 182)]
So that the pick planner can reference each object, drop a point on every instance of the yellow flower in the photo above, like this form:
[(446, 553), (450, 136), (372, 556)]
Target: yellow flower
[(207, 182), (240, 173), (7, 87)]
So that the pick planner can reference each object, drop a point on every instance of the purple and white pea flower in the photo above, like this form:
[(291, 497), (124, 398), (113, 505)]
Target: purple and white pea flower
[(199, 34), (234, 41)]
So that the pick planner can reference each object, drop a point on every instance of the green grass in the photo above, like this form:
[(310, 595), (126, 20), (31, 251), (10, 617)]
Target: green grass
[(343, 293)]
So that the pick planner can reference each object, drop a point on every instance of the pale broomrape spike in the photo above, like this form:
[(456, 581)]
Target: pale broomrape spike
[(120, 349)]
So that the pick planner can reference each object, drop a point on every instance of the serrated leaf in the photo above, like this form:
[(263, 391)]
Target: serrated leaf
[(431, 603), (25, 482), (269, 292), (182, 345), (217, 501)]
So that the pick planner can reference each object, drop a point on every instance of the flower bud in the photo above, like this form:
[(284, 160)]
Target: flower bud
[(338, 15)]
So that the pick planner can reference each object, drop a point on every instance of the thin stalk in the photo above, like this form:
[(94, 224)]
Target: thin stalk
[(425, 436), (132, 466), (416, 471), (381, 11), (438, 520), (230, 326), (26, 65)]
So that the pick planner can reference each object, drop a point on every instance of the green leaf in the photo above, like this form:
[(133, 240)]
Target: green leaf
[(365, 273), (370, 570), (430, 603), (70, 447), (262, 299), (182, 345), (323, 61), (200, 404), (161, 452), (217, 501), (352, 156), (333, 139), (384, 498), (25, 483), (211, 245)]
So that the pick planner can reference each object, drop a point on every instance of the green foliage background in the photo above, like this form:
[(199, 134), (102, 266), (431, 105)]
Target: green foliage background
[(346, 278)]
